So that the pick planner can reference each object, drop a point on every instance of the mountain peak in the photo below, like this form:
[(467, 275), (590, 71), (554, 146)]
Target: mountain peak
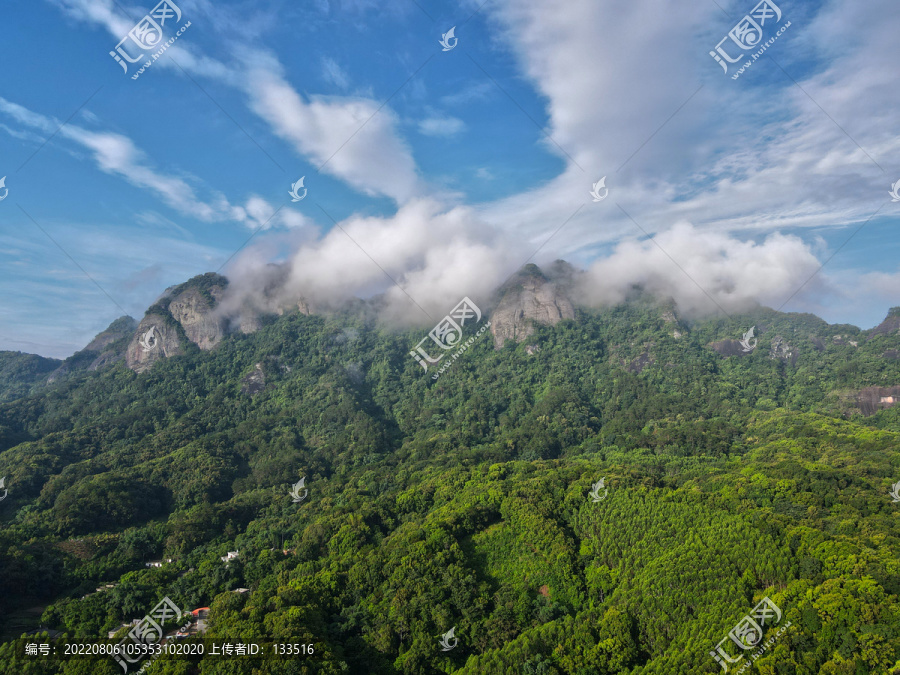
[(529, 297)]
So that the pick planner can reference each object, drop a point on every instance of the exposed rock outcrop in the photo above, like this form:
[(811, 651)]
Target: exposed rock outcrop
[(637, 365), (195, 313), (249, 323), (156, 338), (780, 349), (189, 308), (729, 348), (254, 382), (670, 318), (527, 299), (872, 399)]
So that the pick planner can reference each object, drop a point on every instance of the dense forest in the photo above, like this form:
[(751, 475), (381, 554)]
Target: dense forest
[(465, 502)]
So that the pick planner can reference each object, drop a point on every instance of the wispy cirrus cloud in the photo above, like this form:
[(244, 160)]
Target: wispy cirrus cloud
[(117, 154), (352, 138), (441, 125)]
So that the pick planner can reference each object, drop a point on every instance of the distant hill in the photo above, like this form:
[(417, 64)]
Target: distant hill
[(19, 372)]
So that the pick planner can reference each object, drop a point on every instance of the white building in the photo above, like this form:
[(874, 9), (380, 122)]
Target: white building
[(157, 563)]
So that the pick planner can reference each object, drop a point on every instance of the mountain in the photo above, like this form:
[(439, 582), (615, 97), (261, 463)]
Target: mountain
[(19, 372), (611, 491), (185, 313), (528, 299), (106, 348)]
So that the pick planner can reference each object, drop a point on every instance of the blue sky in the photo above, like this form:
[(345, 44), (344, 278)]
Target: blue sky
[(447, 168)]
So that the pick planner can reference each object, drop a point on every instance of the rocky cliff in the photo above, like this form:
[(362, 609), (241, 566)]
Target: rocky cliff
[(187, 310), (530, 298), (872, 399), (156, 338), (194, 311)]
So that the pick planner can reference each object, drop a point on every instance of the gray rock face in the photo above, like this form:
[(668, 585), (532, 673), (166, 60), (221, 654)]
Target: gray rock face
[(670, 318), (643, 361), (254, 382), (532, 299), (185, 306), (105, 359), (195, 314), (872, 399), (729, 348), (249, 323), (780, 349), (154, 340)]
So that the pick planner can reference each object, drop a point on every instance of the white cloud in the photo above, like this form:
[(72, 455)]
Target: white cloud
[(117, 154), (737, 156), (704, 272), (352, 137), (334, 74), (436, 256), (441, 126)]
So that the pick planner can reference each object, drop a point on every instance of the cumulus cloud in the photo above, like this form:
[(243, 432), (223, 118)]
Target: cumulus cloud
[(735, 155), (704, 272), (436, 256), (622, 84), (351, 137)]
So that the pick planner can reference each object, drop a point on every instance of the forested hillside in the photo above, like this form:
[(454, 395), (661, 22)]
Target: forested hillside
[(464, 502)]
